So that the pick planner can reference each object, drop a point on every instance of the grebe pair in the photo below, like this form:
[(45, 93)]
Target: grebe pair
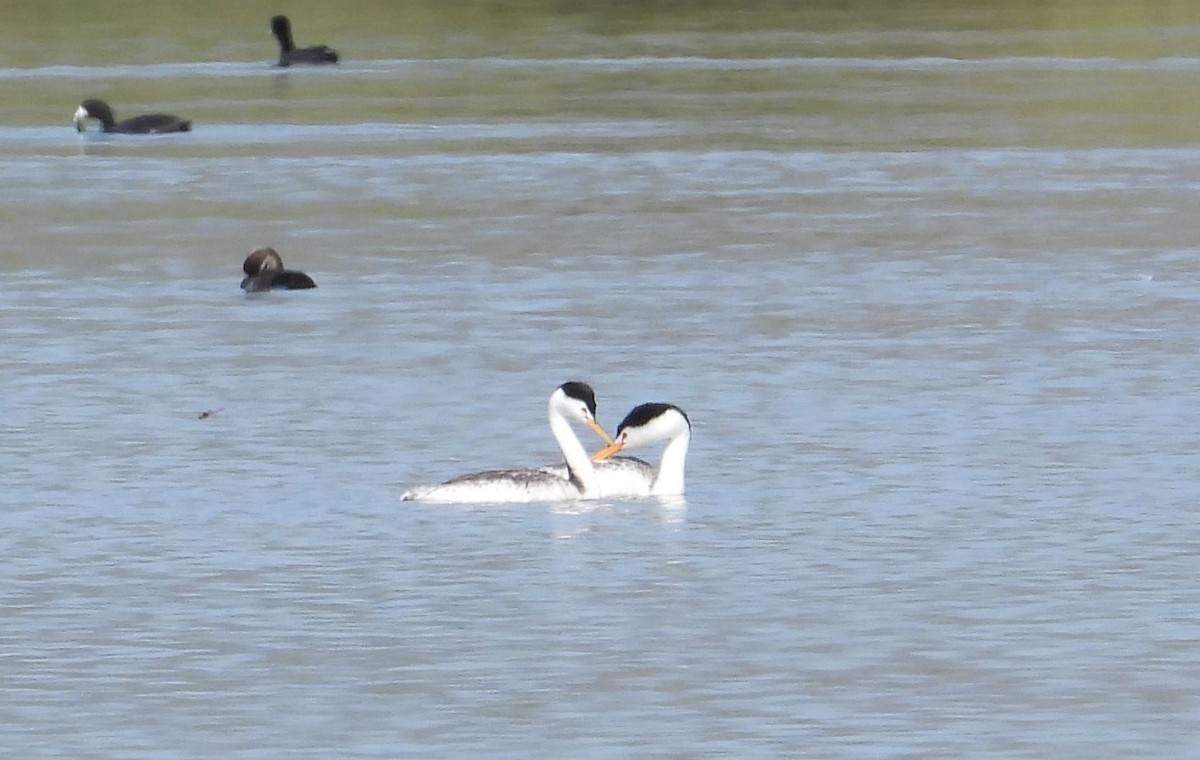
[(581, 477)]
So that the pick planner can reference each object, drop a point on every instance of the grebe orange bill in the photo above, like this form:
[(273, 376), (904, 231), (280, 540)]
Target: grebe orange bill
[(644, 425)]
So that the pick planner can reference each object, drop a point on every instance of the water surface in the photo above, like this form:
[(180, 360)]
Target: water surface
[(922, 277)]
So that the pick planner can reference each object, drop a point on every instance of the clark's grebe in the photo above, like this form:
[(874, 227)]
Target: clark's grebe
[(628, 476), (570, 401)]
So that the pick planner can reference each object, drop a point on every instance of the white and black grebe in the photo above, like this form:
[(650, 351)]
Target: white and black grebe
[(625, 477), (577, 480)]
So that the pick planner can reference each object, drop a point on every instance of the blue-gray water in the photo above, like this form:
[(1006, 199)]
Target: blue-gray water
[(927, 292)]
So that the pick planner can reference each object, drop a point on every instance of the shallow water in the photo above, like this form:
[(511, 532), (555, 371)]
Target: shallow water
[(922, 278)]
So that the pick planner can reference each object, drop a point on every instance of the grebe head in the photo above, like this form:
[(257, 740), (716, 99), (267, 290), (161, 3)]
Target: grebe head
[(574, 400), (646, 424)]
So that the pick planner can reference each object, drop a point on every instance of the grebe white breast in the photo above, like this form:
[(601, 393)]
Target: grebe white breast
[(577, 480), (631, 477)]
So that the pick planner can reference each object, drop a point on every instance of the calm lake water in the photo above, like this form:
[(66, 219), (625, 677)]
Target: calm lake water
[(923, 276)]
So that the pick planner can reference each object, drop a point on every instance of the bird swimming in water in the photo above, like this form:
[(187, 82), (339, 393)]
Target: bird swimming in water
[(288, 52), (570, 402), (626, 477), (151, 123), (264, 271)]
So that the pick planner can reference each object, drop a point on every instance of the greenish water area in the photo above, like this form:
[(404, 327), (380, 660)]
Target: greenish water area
[(1043, 69), (921, 274)]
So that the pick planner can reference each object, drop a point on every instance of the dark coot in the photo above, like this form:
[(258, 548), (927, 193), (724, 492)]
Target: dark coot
[(264, 271), (151, 123), (289, 54)]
